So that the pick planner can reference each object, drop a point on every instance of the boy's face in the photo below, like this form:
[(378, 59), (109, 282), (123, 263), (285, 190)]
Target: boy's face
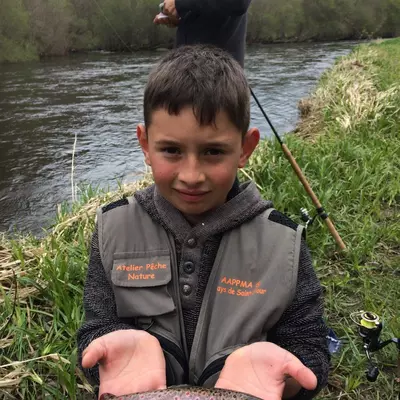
[(194, 167)]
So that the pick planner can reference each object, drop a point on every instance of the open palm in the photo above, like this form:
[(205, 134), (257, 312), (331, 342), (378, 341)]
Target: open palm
[(262, 370), (130, 361)]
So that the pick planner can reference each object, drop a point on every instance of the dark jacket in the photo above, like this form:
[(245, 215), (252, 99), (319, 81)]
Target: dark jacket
[(221, 23)]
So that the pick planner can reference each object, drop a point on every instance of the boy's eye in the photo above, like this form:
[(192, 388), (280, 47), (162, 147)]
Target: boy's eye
[(213, 152), (171, 150)]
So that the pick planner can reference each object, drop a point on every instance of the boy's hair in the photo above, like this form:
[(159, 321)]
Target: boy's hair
[(204, 77)]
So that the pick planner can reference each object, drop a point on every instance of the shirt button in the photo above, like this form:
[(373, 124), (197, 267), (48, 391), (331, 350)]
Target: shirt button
[(186, 289), (188, 267), (191, 242)]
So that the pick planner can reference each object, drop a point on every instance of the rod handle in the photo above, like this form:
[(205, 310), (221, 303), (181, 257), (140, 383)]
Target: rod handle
[(314, 198)]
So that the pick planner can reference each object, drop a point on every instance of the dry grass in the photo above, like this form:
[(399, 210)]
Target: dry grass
[(85, 213), (348, 94), (23, 282)]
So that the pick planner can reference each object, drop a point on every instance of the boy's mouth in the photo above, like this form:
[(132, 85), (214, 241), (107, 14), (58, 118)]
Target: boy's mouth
[(191, 195)]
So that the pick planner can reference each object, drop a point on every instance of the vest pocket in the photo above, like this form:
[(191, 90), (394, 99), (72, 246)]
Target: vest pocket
[(140, 283), (214, 365)]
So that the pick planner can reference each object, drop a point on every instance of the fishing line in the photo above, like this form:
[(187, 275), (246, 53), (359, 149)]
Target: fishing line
[(112, 27), (320, 210)]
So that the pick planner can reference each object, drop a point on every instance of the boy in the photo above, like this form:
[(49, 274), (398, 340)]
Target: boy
[(197, 279)]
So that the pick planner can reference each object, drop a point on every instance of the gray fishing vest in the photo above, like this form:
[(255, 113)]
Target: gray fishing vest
[(251, 284)]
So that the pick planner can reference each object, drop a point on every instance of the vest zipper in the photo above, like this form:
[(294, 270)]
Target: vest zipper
[(173, 349), (175, 280), (201, 322), (212, 369)]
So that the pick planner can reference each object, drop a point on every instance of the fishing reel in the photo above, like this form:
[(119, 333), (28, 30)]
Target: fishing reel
[(370, 328), (305, 216)]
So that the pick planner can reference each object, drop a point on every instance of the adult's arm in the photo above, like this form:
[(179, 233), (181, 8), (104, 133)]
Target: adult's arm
[(301, 329), (212, 7)]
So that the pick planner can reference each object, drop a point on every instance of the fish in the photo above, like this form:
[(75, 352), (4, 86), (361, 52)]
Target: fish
[(183, 393)]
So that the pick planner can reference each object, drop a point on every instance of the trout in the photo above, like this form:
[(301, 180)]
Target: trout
[(183, 393)]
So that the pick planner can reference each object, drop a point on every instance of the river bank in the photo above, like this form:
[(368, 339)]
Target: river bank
[(30, 53), (29, 30), (348, 145)]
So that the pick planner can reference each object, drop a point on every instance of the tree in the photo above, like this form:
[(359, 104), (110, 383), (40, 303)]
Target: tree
[(49, 25), (14, 32)]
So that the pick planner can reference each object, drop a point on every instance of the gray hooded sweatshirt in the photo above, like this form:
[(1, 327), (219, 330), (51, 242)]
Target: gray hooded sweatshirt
[(300, 328)]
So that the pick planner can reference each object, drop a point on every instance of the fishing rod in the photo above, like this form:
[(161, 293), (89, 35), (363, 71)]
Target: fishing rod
[(306, 218), (319, 209)]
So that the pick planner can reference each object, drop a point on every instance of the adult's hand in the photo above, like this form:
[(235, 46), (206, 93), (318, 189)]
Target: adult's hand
[(267, 371), (170, 21), (170, 9), (130, 361)]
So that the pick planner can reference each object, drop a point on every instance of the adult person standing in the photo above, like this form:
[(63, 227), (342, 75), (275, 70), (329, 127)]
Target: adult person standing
[(222, 23)]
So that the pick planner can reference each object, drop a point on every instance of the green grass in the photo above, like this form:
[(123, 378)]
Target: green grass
[(348, 146), (349, 149)]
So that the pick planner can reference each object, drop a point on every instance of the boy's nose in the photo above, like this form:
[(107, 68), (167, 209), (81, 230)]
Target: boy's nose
[(191, 173)]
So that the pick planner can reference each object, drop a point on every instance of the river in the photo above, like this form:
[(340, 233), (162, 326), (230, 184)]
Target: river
[(98, 98)]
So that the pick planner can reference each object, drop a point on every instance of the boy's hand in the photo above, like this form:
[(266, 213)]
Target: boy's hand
[(131, 361), (263, 370)]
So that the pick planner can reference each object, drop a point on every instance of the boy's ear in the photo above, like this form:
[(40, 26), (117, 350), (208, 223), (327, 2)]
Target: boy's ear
[(141, 134), (249, 143)]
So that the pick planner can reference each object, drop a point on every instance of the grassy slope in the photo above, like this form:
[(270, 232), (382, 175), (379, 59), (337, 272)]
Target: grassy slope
[(349, 148)]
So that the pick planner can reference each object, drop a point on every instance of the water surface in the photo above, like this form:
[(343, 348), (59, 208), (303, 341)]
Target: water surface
[(98, 97)]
